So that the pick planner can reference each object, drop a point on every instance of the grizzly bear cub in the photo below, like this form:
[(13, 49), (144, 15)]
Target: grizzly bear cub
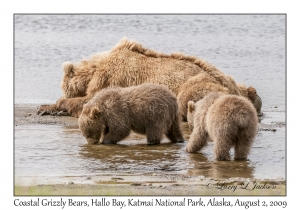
[(228, 120), (196, 87), (146, 109)]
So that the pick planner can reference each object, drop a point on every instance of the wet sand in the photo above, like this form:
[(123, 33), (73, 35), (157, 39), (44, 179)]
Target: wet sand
[(145, 189), (150, 183), (26, 115)]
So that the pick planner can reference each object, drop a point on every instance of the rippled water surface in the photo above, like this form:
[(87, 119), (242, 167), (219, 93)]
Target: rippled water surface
[(61, 151), (250, 48)]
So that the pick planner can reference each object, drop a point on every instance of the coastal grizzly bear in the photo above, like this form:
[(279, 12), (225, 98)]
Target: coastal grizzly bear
[(197, 87), (227, 120), (128, 64), (146, 109)]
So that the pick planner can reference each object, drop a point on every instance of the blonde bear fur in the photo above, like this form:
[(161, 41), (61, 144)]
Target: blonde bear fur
[(129, 64), (227, 120), (197, 87), (146, 109)]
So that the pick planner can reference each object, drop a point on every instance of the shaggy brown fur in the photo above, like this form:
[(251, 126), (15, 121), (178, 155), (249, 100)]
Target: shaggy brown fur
[(228, 120), (251, 93), (256, 100), (197, 87), (146, 109), (129, 64)]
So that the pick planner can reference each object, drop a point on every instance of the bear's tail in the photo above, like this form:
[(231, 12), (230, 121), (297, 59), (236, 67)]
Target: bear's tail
[(242, 119), (240, 110)]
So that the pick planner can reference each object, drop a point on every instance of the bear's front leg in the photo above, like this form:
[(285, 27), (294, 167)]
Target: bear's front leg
[(110, 139), (48, 110), (175, 134), (112, 135), (73, 106), (198, 139)]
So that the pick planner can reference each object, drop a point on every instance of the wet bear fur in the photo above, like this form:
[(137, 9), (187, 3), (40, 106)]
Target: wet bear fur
[(146, 109), (228, 120)]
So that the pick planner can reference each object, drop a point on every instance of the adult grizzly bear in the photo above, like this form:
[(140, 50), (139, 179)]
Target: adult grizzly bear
[(197, 87), (146, 109), (128, 64), (228, 120)]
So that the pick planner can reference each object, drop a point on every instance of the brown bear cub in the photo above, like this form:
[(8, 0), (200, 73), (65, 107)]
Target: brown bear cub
[(196, 87), (228, 120), (146, 109)]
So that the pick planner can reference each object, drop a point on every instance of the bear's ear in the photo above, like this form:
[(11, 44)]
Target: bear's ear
[(191, 106), (68, 69), (251, 93), (94, 113)]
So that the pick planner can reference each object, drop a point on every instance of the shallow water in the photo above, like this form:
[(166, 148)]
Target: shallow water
[(250, 48), (57, 151)]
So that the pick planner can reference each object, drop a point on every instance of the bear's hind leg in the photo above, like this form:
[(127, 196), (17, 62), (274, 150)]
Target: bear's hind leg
[(222, 147), (174, 133), (242, 148)]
